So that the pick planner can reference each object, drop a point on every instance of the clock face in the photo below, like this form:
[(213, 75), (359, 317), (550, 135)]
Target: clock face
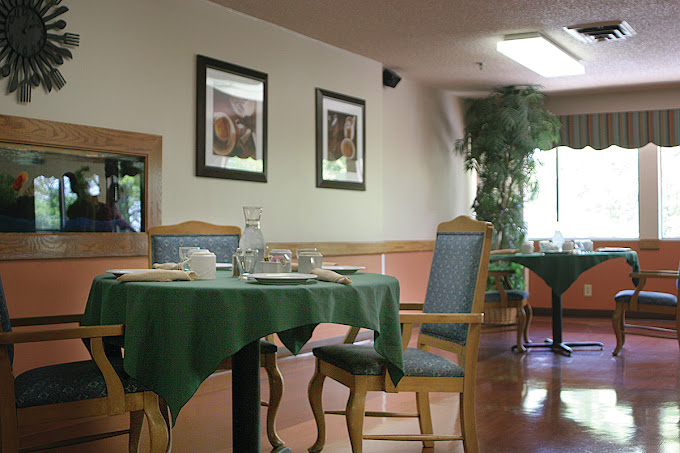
[(30, 51), (25, 31)]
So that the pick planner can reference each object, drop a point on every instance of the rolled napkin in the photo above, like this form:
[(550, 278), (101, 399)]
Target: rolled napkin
[(331, 276), (158, 275), (294, 265), (504, 251), (167, 266)]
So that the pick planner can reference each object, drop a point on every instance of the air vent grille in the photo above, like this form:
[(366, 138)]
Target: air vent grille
[(601, 32)]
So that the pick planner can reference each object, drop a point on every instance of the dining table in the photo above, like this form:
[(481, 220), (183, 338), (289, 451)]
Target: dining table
[(177, 333), (559, 270)]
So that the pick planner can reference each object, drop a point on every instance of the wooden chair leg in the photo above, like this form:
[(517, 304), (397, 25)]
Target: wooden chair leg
[(521, 328), (618, 321), (314, 392), (677, 326), (468, 422), (356, 408), (275, 394), (9, 437), (529, 314), (158, 432), (424, 416), (136, 421), (165, 412)]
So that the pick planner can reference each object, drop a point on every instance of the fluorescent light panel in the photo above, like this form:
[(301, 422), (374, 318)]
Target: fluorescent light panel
[(540, 55)]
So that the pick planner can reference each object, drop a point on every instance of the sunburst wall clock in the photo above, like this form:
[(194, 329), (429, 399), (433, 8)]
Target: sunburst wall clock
[(29, 49)]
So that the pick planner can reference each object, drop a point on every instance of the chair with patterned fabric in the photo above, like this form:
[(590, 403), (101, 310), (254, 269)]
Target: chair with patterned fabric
[(503, 298), (638, 300), (222, 240), (72, 390), (450, 321)]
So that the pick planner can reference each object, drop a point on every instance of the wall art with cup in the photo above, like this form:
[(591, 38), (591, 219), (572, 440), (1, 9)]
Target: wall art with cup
[(340, 141), (231, 121)]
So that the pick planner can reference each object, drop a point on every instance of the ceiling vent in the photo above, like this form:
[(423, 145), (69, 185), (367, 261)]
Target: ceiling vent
[(601, 32)]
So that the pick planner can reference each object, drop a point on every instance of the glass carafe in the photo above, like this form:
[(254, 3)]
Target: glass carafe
[(252, 237)]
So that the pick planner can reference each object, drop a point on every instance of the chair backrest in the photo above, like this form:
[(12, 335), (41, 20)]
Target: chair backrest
[(5, 322), (165, 240), (458, 275)]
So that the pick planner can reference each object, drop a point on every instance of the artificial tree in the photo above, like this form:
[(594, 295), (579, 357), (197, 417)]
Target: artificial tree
[(502, 132)]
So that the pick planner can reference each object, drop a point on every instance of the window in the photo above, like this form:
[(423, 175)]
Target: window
[(670, 192), (585, 193)]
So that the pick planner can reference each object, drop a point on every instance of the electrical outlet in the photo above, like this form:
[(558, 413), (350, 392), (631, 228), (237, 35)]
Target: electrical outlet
[(587, 290)]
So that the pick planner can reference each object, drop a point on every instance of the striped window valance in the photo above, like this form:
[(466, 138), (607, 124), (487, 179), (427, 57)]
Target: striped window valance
[(625, 129)]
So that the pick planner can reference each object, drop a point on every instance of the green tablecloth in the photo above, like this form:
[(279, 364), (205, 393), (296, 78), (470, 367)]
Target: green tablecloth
[(177, 333), (559, 270)]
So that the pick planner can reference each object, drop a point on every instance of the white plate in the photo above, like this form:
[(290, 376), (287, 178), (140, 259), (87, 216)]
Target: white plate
[(292, 278), (613, 249), (224, 266), (119, 272), (344, 270)]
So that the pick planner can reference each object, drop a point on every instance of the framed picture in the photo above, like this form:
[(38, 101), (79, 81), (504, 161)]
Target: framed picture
[(340, 141), (231, 121)]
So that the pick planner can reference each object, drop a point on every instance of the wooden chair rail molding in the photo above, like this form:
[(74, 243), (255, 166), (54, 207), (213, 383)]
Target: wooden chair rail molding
[(69, 137), (357, 248)]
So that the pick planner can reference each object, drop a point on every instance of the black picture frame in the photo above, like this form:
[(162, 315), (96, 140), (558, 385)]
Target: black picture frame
[(340, 141), (231, 121)]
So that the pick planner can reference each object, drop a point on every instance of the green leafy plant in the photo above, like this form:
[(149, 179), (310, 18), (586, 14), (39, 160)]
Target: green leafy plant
[(502, 132)]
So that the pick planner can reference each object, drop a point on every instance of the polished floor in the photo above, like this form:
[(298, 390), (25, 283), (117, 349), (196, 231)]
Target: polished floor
[(590, 402)]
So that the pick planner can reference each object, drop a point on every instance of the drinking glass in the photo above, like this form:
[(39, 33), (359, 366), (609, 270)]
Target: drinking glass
[(247, 262), (184, 253)]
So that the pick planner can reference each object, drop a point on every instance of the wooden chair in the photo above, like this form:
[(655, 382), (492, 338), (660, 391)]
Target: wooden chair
[(70, 390), (503, 298), (638, 300), (451, 320), (222, 240)]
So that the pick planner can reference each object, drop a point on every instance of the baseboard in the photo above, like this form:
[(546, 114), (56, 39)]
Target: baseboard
[(587, 313)]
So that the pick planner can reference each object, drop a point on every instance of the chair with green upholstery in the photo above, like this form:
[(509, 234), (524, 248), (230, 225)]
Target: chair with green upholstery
[(503, 298), (450, 320), (71, 390), (637, 300)]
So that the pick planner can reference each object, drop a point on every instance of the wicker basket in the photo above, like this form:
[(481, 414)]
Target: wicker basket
[(500, 316)]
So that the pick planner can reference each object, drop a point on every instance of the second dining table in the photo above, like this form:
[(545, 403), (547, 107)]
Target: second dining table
[(177, 333), (559, 271)]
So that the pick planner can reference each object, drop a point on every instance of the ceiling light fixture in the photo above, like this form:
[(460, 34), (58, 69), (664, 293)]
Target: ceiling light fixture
[(535, 52)]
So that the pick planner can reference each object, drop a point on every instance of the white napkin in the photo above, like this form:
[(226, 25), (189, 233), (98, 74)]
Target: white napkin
[(158, 275), (167, 266), (331, 276)]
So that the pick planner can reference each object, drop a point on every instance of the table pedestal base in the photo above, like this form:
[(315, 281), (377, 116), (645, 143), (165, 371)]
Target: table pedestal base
[(562, 347)]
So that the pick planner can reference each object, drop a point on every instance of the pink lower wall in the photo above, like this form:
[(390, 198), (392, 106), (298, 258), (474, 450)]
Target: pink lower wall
[(610, 277), (49, 287)]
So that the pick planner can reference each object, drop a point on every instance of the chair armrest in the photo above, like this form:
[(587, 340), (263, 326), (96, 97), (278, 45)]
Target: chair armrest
[(446, 318), (68, 333), (656, 274), (411, 306), (44, 320)]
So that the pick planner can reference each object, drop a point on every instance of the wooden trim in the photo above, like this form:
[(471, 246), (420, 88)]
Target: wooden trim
[(358, 248), (43, 133), (650, 244), (587, 313)]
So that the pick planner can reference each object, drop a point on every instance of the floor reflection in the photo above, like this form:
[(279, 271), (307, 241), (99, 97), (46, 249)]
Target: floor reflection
[(589, 402)]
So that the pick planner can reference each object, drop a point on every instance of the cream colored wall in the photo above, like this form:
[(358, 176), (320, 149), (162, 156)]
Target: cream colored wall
[(627, 100), (424, 180), (135, 70)]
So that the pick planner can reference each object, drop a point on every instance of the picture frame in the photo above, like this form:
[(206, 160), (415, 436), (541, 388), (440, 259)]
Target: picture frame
[(231, 121), (340, 141)]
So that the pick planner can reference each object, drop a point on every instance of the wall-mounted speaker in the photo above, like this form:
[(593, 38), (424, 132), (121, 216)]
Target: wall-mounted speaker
[(390, 78)]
